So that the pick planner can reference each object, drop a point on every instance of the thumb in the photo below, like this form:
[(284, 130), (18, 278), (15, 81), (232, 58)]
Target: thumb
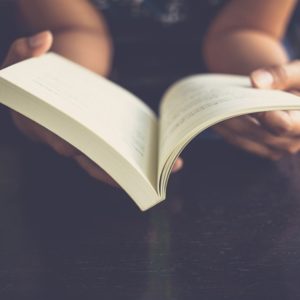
[(282, 77), (24, 48)]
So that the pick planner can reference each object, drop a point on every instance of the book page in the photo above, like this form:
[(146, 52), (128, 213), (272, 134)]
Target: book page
[(116, 116), (195, 103)]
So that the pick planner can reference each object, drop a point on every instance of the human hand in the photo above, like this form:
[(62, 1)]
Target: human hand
[(268, 134), (34, 46)]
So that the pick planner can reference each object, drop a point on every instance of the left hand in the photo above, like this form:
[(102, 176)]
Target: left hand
[(282, 77), (268, 134)]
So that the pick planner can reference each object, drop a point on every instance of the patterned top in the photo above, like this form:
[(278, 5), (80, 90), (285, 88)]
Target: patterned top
[(167, 12), (156, 41)]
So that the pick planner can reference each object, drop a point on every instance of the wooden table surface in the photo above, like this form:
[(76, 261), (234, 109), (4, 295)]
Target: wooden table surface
[(229, 229)]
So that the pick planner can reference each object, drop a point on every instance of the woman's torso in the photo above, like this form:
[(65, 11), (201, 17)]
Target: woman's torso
[(156, 41)]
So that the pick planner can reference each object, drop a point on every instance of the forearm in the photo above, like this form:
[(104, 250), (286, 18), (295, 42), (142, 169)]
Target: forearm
[(242, 51), (79, 30), (90, 49), (247, 35)]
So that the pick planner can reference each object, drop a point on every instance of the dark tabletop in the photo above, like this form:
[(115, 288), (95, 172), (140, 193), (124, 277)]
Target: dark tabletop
[(229, 229)]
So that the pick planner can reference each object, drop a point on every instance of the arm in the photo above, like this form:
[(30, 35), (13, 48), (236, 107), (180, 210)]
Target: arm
[(245, 36), (79, 31)]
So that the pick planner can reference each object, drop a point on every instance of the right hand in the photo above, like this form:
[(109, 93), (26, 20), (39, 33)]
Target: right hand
[(269, 134), (34, 46)]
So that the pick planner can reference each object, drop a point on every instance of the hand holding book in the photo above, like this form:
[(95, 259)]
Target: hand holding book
[(271, 134), (34, 46)]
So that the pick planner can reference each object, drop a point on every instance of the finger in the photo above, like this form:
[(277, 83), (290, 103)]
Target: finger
[(248, 128), (249, 145), (282, 77), (295, 117), (59, 145), (285, 123), (177, 165), (38, 133), (94, 170), (24, 48), (276, 122)]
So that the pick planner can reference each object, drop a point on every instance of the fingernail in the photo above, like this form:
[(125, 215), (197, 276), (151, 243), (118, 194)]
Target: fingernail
[(263, 79), (178, 165), (36, 40)]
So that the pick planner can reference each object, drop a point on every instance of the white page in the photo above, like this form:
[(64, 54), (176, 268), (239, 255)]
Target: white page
[(208, 99), (115, 115)]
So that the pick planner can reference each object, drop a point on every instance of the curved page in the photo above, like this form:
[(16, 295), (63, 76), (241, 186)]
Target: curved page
[(198, 102)]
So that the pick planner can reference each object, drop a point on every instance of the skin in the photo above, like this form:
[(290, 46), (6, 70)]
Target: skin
[(246, 36)]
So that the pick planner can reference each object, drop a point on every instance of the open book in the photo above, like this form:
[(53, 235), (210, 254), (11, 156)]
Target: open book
[(116, 129)]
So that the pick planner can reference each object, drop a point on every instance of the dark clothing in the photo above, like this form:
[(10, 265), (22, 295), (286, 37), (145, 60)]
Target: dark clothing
[(156, 41), (167, 12), (8, 26)]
